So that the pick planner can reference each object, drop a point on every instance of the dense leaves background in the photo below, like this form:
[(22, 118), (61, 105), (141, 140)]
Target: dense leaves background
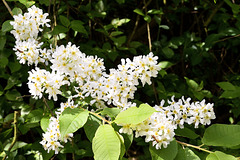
[(197, 43)]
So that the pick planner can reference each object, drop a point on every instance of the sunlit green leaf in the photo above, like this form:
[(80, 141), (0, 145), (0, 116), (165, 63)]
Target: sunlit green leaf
[(165, 64), (134, 115), (217, 155), (138, 11), (222, 135), (106, 144), (44, 123), (71, 120)]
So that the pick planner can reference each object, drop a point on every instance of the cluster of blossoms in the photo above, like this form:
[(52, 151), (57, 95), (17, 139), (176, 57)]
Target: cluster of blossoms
[(52, 137), (182, 111), (71, 66), (40, 81), (25, 30), (119, 85), (159, 128)]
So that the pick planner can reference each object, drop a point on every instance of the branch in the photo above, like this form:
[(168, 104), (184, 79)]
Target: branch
[(148, 28), (97, 115), (137, 21), (15, 134), (196, 147), (206, 23), (9, 9), (44, 100)]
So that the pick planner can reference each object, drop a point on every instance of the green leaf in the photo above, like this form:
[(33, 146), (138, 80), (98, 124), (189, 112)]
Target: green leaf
[(77, 25), (147, 18), (71, 120), (165, 64), (106, 144), (168, 153), (231, 94), (222, 135), (192, 84), (2, 42), (128, 138), (3, 61), (116, 33), (226, 86), (16, 11), (122, 147), (120, 1), (134, 115), (59, 29), (35, 116), (45, 123), (155, 11), (1, 90), (135, 44), (119, 41), (91, 126), (6, 26), (164, 27), (168, 52), (139, 11), (111, 112), (217, 155), (190, 155), (186, 132), (17, 145), (27, 3), (46, 2), (12, 81), (14, 66), (64, 20), (13, 95), (181, 154), (186, 154)]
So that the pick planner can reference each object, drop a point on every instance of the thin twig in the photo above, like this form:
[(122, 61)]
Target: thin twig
[(206, 23), (55, 21), (15, 134), (44, 100), (97, 115), (196, 147), (148, 30), (136, 23), (9, 9), (224, 39)]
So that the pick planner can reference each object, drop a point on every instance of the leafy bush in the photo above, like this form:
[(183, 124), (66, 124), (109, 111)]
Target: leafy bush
[(98, 101)]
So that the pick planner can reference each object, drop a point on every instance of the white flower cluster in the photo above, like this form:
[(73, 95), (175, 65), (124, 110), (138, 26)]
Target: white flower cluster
[(159, 128), (119, 85), (71, 62), (183, 111), (40, 81), (25, 30), (51, 138)]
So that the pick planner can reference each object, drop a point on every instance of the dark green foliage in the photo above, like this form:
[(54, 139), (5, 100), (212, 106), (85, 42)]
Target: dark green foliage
[(197, 43)]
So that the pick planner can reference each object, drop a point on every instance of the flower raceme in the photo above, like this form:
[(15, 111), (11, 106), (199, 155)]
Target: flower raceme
[(25, 30), (159, 128), (87, 74)]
